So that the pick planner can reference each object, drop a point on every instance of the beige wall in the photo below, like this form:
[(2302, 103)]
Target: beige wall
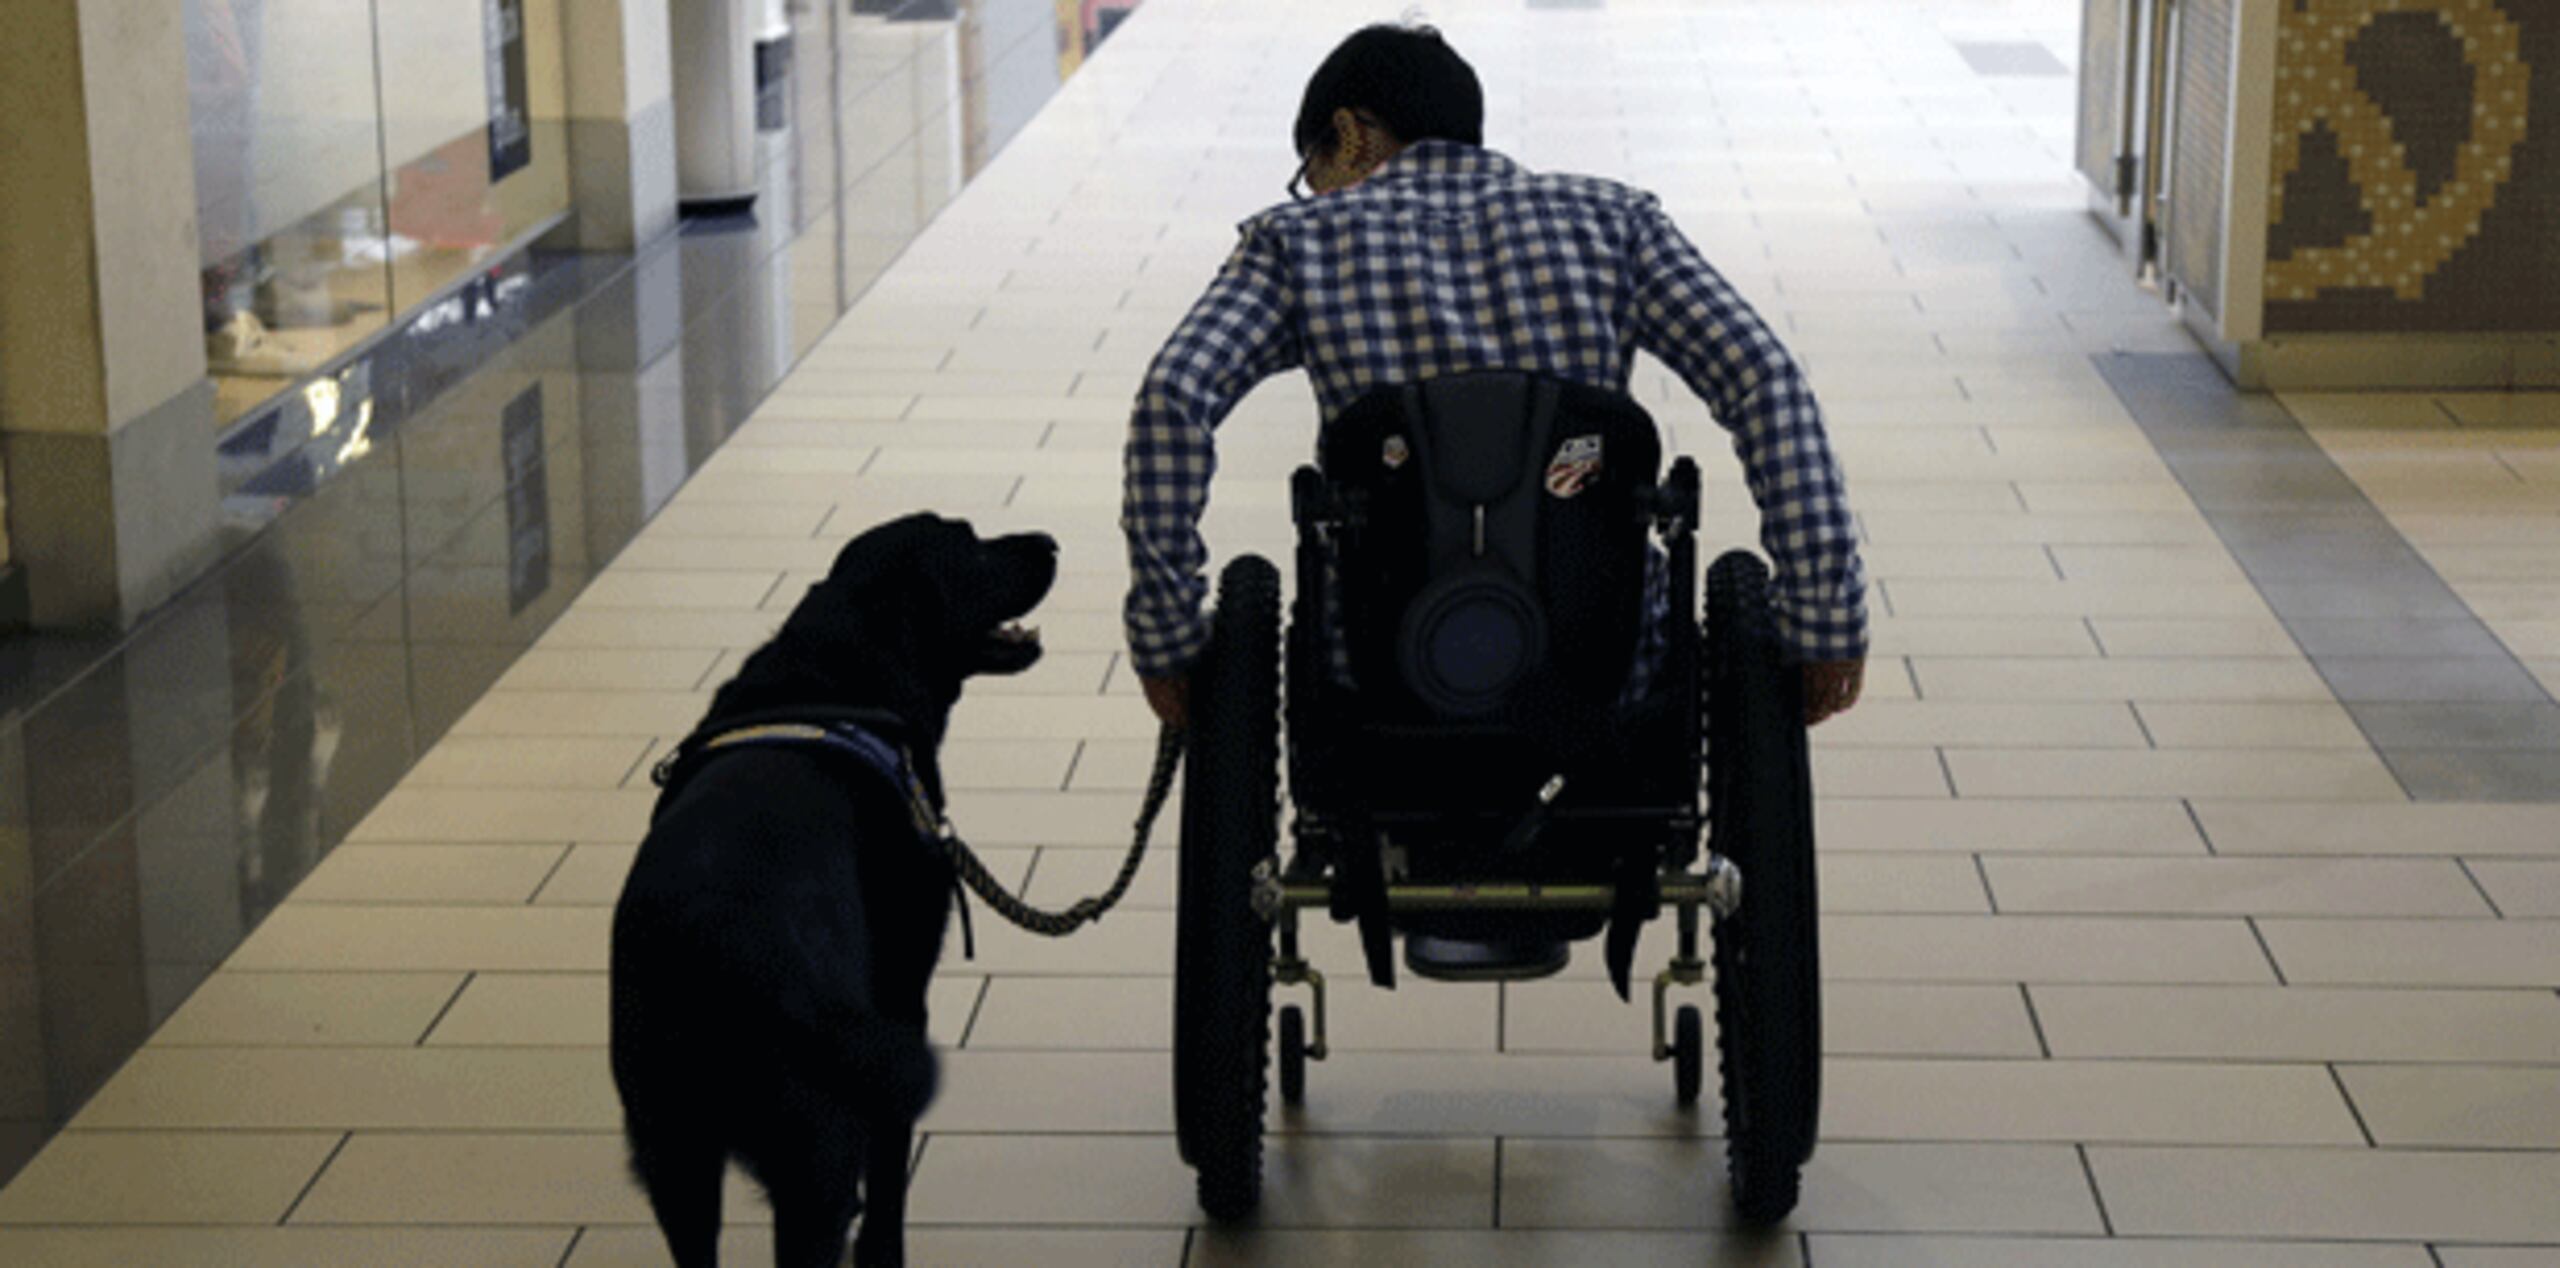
[(104, 413)]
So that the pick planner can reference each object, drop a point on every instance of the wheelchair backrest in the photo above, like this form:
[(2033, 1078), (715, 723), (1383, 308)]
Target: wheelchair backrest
[(1492, 564)]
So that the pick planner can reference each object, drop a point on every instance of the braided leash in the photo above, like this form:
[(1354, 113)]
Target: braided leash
[(1057, 924)]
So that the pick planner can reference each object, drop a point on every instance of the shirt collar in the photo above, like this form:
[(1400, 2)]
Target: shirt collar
[(1429, 159)]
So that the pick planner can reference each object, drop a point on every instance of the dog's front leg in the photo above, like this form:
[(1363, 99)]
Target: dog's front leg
[(882, 1243)]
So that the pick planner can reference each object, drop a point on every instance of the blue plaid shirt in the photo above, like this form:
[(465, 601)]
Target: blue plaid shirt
[(1453, 258)]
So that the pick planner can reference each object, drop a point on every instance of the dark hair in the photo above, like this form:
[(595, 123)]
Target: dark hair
[(1406, 77)]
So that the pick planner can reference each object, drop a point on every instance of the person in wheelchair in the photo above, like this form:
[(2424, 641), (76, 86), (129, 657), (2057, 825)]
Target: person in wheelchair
[(1408, 252)]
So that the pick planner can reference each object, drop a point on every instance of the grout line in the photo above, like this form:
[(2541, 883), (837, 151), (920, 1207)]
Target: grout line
[(1883, 592), (556, 865), (2435, 1256), (570, 1251), (1502, 1017), (865, 468), (2268, 951), (718, 658), (915, 1161), (1190, 1238), (1046, 431), (1074, 760), (2090, 623), (2056, 562), (1948, 771), (2197, 821), (2105, 1221), (2474, 878), (1497, 1182), (1072, 385), (1804, 1248), (2021, 495), (1984, 872), (2035, 1020), (2352, 1108), (1110, 670), (977, 1006), (2446, 410), (450, 1001), (314, 1181), (1032, 868), (647, 747), (908, 413), (949, 355), (1988, 440), (1015, 491), (2142, 724), (784, 575), (820, 532), (1912, 672)]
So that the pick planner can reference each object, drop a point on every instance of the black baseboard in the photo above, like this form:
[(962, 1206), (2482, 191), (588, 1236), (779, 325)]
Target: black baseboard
[(14, 610)]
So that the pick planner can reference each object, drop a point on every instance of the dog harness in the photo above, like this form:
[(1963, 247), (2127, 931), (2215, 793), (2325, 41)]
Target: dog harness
[(846, 735)]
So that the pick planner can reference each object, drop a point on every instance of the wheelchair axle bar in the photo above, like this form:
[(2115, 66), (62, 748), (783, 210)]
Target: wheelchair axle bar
[(1719, 890)]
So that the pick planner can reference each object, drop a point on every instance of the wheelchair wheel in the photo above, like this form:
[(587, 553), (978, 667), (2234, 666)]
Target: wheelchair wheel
[(1293, 1056), (1767, 967), (1222, 949)]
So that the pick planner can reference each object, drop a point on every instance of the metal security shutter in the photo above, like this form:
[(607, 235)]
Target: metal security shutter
[(2199, 157), (2102, 72)]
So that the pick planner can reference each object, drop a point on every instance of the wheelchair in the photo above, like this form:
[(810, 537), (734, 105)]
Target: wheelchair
[(1468, 758)]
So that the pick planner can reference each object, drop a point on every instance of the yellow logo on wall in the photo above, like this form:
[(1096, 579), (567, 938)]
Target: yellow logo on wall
[(2409, 240)]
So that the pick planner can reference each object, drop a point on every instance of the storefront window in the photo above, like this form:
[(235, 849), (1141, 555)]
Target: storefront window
[(353, 159)]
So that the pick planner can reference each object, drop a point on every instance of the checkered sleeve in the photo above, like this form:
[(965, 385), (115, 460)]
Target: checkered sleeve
[(1682, 311), (1238, 334)]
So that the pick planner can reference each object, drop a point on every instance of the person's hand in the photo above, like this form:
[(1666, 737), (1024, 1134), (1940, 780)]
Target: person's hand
[(1170, 698), (1830, 687)]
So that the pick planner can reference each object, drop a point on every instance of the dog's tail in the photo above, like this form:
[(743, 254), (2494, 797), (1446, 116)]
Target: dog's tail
[(886, 1066)]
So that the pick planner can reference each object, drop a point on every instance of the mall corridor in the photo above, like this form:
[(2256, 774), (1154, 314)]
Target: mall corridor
[(2191, 871)]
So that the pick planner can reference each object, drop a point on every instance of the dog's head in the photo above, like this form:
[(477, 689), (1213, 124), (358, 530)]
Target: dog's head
[(911, 610), (963, 595)]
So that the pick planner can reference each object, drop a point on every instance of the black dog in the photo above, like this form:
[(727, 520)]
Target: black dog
[(772, 946)]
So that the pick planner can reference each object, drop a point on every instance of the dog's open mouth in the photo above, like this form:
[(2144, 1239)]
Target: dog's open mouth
[(1011, 648)]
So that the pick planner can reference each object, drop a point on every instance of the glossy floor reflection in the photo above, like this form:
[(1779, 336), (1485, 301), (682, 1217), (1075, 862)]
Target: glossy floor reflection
[(407, 525)]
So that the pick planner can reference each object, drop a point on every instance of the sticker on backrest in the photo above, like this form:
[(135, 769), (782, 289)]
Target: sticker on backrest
[(1577, 460)]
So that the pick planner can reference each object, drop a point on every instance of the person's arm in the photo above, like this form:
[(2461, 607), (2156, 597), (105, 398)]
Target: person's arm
[(1685, 313), (1238, 334)]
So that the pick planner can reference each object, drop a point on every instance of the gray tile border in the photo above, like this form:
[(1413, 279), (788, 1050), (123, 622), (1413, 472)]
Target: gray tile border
[(2447, 706), (2444, 681), (2477, 775), (2526, 725), (2010, 58), (2352, 636)]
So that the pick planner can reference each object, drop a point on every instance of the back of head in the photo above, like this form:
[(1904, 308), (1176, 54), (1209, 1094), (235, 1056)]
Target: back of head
[(1406, 77)]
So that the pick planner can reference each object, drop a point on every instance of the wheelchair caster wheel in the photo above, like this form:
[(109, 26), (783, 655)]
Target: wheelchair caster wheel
[(1688, 1055), (1293, 1056)]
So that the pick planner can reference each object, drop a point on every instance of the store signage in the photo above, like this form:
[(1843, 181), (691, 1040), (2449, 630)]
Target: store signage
[(528, 501)]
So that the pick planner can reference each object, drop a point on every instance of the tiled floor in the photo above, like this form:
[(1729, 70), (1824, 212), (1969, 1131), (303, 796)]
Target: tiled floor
[(2141, 953)]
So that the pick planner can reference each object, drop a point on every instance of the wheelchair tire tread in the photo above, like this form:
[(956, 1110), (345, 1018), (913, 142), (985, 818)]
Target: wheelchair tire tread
[(1231, 812), (1768, 1027)]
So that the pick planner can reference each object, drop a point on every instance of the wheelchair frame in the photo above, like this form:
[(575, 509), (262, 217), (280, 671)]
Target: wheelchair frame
[(1223, 1006)]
